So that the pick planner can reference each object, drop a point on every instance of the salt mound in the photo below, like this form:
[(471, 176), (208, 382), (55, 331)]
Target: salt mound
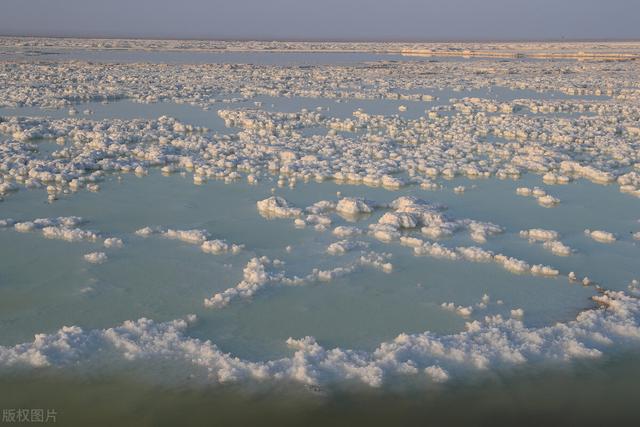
[(343, 231), (69, 234), (344, 246), (277, 207), (96, 257), (113, 242), (549, 239), (475, 254), (538, 234), (354, 206), (220, 247), (601, 236), (557, 248), (460, 310)]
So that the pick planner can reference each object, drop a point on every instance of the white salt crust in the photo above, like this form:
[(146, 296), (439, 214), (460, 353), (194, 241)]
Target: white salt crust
[(489, 343), (601, 236), (195, 237), (549, 239), (263, 272), (96, 257), (60, 228), (558, 139)]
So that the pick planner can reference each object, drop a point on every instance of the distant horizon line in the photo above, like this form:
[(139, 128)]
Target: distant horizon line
[(329, 40)]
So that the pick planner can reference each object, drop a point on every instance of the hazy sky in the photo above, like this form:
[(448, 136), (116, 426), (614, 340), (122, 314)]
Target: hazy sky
[(325, 19)]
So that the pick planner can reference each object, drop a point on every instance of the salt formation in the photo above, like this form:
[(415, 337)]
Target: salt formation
[(460, 310), (220, 246), (483, 302), (549, 239), (396, 153), (411, 213), (601, 236), (541, 196), (262, 272), (485, 344), (344, 246), (343, 231), (468, 310), (68, 234), (537, 234), (377, 261), (354, 206), (113, 242), (96, 257), (256, 277), (513, 265), (61, 228), (557, 248), (195, 237), (277, 207), (517, 313), (41, 223)]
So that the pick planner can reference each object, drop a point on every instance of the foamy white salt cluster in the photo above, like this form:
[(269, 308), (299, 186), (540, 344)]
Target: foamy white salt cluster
[(411, 213), (468, 310), (540, 195), (460, 310), (476, 254), (113, 242), (69, 234), (41, 223), (549, 239), (485, 344), (60, 228), (95, 257), (601, 236), (343, 246), (262, 272), (277, 207), (559, 139), (194, 236), (346, 231), (355, 206)]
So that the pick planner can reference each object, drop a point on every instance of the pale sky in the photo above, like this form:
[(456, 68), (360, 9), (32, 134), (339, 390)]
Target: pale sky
[(325, 19)]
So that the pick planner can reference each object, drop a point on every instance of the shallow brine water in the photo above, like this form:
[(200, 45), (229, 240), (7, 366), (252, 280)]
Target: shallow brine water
[(313, 251)]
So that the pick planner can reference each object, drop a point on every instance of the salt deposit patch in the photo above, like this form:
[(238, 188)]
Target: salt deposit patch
[(59, 228), (601, 236), (96, 257), (540, 195), (277, 207), (548, 239), (195, 237), (485, 344), (262, 272)]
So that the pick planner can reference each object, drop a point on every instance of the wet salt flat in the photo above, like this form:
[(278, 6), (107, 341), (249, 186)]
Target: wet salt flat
[(372, 224)]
